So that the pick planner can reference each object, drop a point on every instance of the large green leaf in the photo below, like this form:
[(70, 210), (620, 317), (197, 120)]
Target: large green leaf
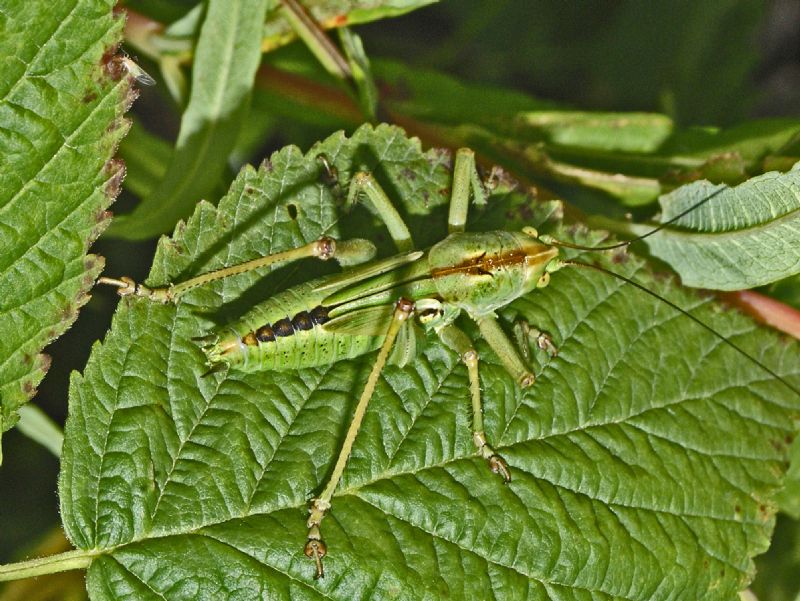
[(740, 237), (645, 460), (62, 95)]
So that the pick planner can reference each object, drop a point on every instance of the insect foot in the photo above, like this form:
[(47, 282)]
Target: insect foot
[(127, 287), (315, 547), (496, 463), (526, 335), (545, 342)]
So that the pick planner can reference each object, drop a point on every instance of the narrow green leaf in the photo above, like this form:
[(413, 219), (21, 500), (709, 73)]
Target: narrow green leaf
[(37, 425), (315, 39), (647, 442), (362, 73), (146, 158), (626, 132), (743, 237), (225, 61), (63, 92), (752, 140)]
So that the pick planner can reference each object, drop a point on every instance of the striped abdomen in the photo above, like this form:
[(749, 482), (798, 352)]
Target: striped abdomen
[(287, 332)]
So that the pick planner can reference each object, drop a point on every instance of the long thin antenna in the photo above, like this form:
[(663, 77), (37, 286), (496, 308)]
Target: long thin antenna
[(689, 315), (552, 241)]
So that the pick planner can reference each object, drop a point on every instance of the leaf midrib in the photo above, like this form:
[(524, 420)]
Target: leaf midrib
[(687, 236)]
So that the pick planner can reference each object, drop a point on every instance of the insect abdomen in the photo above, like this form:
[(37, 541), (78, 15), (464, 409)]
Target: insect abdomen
[(276, 336)]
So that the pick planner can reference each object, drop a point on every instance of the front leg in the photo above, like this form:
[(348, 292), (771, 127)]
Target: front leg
[(365, 183), (506, 350)]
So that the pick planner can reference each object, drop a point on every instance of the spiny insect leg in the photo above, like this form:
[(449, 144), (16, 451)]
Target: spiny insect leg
[(460, 342), (506, 350), (398, 230), (526, 335), (315, 546), (465, 180), (347, 252)]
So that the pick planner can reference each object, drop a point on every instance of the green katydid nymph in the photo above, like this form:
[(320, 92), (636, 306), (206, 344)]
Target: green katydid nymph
[(378, 305)]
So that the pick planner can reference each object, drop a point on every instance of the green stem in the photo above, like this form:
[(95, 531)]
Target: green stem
[(62, 562)]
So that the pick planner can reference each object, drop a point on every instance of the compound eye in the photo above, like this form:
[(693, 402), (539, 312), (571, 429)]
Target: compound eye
[(544, 280)]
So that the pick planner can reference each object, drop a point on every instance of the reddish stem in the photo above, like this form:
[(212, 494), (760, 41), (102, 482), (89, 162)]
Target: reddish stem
[(768, 310)]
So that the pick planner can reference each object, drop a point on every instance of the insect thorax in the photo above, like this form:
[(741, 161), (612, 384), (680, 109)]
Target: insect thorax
[(481, 272)]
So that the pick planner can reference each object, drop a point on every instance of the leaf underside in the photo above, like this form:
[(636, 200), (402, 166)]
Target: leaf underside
[(741, 237), (63, 94), (644, 459)]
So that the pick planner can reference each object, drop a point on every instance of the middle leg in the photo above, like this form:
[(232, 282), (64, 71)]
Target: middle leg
[(460, 342)]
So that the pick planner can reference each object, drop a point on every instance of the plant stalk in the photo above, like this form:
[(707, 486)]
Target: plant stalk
[(51, 564)]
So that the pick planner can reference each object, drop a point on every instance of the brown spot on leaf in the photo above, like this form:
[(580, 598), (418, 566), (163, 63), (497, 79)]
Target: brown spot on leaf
[(409, 174), (619, 257), (112, 63), (89, 97), (440, 156), (339, 20), (116, 169), (67, 312)]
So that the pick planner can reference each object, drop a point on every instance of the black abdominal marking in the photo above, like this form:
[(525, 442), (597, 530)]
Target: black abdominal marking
[(305, 320)]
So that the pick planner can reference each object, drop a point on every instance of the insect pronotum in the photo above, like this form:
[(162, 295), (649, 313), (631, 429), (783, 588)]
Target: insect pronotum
[(368, 306)]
